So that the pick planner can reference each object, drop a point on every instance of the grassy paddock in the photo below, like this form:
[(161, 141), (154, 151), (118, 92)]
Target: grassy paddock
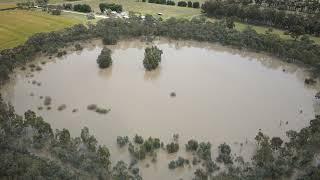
[(141, 7), (262, 29), (16, 26), (7, 5)]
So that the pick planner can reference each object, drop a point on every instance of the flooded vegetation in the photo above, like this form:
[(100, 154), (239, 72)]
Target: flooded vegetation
[(220, 96)]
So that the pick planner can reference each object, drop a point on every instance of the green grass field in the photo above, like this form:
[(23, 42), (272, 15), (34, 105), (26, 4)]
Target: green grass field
[(17, 25), (262, 30), (141, 7), (7, 5)]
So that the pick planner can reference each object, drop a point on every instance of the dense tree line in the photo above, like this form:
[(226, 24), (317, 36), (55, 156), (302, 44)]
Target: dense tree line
[(172, 3), (112, 7), (25, 5), (85, 8), (253, 14), (307, 6)]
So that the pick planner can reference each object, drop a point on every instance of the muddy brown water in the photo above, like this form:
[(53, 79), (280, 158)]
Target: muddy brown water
[(222, 95)]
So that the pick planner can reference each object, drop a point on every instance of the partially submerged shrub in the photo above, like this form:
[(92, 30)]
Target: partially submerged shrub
[(38, 68), (104, 59), (172, 164), (138, 139), (180, 162), (62, 107), (122, 141), (172, 147), (224, 154), (47, 101), (92, 107), (192, 145), (61, 53), (102, 110), (310, 81), (78, 47), (152, 58)]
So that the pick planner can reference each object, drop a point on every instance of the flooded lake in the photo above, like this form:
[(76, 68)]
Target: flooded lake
[(222, 95)]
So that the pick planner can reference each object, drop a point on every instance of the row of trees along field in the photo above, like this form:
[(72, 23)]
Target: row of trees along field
[(111, 30), (111, 6), (253, 14), (173, 3), (306, 6)]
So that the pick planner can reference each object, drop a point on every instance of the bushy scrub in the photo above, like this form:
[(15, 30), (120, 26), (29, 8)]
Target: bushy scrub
[(138, 139), (111, 6), (180, 162), (192, 145), (47, 101), (172, 147), (224, 154), (102, 110), (142, 148), (104, 59), (182, 4), (92, 107), (82, 8), (152, 58), (196, 5), (78, 47), (122, 141)]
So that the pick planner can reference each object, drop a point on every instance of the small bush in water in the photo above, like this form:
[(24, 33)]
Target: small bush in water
[(102, 110), (152, 58), (104, 59), (92, 107), (62, 107)]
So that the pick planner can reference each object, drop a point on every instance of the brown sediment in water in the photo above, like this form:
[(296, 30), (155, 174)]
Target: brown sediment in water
[(222, 95)]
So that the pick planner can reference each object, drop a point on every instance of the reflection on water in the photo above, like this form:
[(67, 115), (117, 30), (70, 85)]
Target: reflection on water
[(222, 95)]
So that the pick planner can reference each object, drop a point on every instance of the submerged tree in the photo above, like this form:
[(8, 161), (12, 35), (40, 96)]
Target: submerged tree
[(104, 59), (152, 58)]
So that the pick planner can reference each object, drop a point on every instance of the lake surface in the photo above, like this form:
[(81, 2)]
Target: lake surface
[(222, 95)]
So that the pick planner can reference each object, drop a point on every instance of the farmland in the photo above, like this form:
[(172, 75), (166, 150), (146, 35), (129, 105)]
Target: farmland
[(17, 25)]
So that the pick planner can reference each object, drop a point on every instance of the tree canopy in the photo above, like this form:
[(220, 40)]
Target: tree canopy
[(152, 58), (104, 59)]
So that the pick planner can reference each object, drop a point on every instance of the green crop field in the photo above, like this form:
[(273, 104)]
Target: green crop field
[(17, 25)]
